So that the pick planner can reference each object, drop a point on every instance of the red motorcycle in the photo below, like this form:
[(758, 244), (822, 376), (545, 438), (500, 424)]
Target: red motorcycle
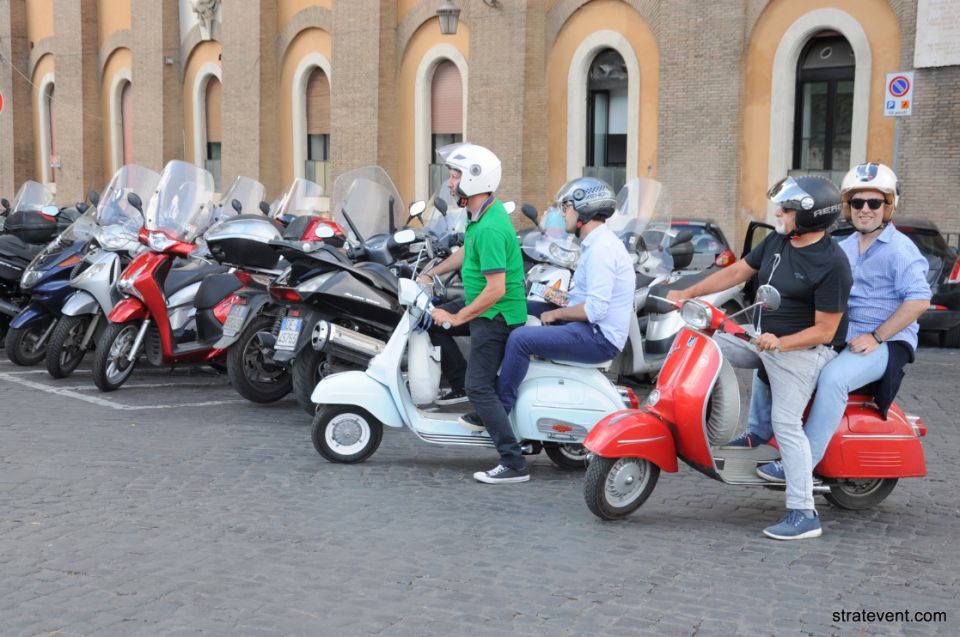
[(695, 409), (173, 315)]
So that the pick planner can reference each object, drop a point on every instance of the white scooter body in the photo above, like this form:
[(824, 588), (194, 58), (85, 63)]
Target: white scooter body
[(556, 402)]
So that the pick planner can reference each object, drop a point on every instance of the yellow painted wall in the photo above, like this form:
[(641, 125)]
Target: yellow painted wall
[(203, 53), (286, 9), (114, 15), (425, 38), (39, 19), (879, 23), (404, 7), (44, 66), (612, 15), (308, 41), (120, 59)]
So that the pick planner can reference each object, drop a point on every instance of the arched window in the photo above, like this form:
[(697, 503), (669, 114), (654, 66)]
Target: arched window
[(126, 123), (212, 128), (607, 109), (317, 166), (823, 116), (446, 116)]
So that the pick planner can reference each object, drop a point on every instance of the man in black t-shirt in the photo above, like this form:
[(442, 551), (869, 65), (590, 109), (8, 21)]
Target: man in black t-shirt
[(813, 277)]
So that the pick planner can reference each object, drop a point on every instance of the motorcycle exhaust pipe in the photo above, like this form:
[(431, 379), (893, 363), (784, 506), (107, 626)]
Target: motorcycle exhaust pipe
[(345, 343)]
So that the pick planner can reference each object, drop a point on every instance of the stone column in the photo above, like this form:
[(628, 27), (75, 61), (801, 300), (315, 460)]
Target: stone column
[(16, 120), (79, 118), (157, 90), (497, 85), (355, 84), (251, 131)]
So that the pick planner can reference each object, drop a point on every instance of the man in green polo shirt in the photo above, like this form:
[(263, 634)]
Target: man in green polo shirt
[(491, 267)]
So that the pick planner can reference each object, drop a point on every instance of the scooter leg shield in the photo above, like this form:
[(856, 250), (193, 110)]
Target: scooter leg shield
[(633, 433), (356, 388)]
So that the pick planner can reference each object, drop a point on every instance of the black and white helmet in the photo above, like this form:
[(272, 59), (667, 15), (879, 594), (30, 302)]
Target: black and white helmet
[(815, 199), (592, 198)]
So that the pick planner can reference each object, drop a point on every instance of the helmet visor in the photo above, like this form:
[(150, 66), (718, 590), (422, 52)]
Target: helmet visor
[(790, 195)]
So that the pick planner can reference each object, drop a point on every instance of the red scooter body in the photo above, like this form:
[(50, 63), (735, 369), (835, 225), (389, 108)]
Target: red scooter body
[(673, 422)]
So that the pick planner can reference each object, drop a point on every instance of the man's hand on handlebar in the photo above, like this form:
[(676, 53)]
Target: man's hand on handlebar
[(768, 342), (444, 318), (677, 295)]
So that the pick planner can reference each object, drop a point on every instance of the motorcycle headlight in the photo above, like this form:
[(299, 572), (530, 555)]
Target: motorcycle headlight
[(563, 257), (159, 241), (696, 314), (30, 277), (126, 282)]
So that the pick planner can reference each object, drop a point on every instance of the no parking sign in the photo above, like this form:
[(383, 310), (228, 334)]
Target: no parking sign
[(898, 98)]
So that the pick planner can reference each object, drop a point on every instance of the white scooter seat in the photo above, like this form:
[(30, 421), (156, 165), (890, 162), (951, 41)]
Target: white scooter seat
[(602, 366)]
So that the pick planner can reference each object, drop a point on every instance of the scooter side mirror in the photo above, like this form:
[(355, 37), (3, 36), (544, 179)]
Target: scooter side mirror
[(441, 206), (82, 207), (417, 208), (768, 297), (94, 197), (235, 203), (265, 208), (682, 237), (135, 201), (510, 207), (530, 212), (5, 203)]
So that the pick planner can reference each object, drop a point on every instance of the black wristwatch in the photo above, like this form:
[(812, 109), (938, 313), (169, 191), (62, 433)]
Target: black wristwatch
[(876, 338)]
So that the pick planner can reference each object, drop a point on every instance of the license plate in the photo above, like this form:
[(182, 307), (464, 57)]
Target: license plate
[(289, 333), (234, 322)]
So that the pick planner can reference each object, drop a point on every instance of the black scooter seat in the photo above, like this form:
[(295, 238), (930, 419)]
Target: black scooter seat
[(179, 278), (17, 250)]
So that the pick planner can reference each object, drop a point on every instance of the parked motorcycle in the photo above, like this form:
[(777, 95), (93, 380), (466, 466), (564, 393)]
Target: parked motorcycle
[(113, 244), (172, 315), (695, 409)]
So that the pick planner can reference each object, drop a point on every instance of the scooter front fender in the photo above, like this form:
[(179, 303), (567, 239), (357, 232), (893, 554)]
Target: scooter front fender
[(634, 433), (356, 388), (128, 309), (79, 303), (33, 313)]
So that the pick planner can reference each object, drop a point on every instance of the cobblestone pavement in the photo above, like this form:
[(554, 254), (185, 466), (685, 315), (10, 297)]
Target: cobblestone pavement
[(172, 507)]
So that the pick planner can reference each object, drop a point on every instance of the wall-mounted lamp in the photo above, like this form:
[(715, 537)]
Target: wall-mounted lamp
[(449, 15)]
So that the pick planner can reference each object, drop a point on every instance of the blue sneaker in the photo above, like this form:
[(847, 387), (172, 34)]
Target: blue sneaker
[(745, 441), (772, 472), (795, 526)]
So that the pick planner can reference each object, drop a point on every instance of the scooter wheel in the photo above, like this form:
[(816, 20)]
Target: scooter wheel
[(251, 370), (566, 456), (64, 352), (111, 369), (22, 346), (856, 495), (616, 487), (345, 433)]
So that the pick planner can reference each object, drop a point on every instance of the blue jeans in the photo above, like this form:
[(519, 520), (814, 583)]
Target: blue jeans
[(844, 373), (576, 342)]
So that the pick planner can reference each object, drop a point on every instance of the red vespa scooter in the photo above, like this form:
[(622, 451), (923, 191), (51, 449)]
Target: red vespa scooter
[(174, 315), (695, 409)]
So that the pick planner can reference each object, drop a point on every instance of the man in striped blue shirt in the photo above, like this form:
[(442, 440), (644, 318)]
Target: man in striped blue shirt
[(889, 293)]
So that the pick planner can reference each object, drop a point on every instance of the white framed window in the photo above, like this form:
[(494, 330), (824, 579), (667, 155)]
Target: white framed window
[(435, 58), (303, 147)]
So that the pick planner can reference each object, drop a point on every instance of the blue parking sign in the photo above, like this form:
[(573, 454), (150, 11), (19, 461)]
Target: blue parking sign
[(891, 104)]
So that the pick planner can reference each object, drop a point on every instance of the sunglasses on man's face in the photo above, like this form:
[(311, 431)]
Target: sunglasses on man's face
[(874, 204)]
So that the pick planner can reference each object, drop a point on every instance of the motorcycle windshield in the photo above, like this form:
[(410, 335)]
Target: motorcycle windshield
[(181, 206), (114, 209), (642, 221), (249, 192), (553, 244), (440, 224), (369, 198), (80, 231), (32, 196), (304, 197)]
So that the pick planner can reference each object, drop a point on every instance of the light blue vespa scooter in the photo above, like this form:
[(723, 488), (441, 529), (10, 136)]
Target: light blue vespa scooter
[(557, 403)]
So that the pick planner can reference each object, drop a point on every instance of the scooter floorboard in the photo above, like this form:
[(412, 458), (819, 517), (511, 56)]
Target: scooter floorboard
[(739, 466)]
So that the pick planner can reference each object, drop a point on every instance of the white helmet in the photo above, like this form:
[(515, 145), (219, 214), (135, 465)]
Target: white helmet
[(871, 177), (479, 169)]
